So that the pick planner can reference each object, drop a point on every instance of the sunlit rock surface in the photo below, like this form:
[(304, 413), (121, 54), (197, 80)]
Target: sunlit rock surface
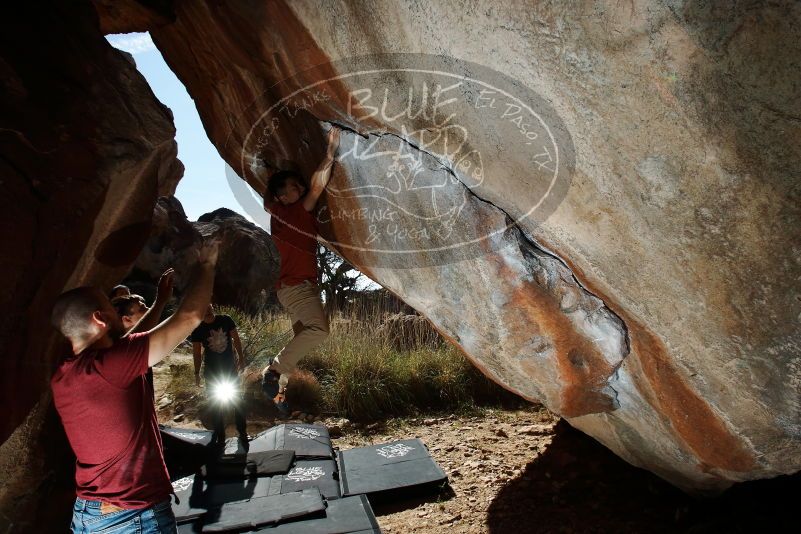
[(624, 247), (655, 301)]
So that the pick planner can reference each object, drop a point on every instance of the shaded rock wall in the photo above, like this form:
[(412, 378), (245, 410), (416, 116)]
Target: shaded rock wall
[(656, 305), (85, 150), (246, 270), (173, 242), (248, 265)]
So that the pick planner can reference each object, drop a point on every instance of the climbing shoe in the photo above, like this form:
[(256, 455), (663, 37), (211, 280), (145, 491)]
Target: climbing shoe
[(269, 383), (281, 405)]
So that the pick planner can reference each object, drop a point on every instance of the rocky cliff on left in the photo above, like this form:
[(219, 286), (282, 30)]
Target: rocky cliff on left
[(85, 151)]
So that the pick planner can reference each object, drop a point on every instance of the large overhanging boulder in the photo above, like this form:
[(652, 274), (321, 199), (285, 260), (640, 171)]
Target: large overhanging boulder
[(653, 299)]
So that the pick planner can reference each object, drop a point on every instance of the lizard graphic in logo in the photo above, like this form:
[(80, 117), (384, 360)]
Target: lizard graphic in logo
[(304, 433), (398, 450), (305, 474)]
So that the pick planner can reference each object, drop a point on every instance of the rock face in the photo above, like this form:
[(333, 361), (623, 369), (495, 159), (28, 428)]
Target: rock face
[(248, 265), (85, 150), (247, 268), (173, 242), (622, 186), (606, 220)]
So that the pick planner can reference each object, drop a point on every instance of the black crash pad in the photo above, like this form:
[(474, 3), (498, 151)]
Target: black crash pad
[(197, 495), (321, 474), (349, 515), (239, 466), (262, 511), (185, 436), (308, 441), (400, 467), (185, 449)]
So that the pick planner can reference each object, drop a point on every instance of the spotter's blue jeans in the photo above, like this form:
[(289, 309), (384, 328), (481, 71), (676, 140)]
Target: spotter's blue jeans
[(87, 519)]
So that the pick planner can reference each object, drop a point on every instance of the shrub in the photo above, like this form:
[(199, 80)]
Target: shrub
[(304, 392), (361, 373)]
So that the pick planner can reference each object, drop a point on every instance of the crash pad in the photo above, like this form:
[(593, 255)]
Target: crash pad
[(308, 441), (402, 467)]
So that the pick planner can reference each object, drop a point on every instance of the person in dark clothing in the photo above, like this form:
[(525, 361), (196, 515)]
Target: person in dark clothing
[(218, 337)]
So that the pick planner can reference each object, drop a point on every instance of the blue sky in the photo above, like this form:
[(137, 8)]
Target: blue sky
[(204, 187)]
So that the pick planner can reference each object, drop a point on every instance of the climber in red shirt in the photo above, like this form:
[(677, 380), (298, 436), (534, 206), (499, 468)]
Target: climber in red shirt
[(107, 410), (294, 231)]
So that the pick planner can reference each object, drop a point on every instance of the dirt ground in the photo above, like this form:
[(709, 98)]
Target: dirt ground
[(526, 471)]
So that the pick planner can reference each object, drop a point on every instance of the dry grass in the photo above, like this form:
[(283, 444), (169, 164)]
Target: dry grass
[(360, 373)]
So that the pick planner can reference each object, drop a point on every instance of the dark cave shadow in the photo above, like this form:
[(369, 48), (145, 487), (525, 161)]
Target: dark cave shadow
[(577, 485), (394, 502)]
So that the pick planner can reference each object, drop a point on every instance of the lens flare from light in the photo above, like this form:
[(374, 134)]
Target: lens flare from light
[(224, 391)]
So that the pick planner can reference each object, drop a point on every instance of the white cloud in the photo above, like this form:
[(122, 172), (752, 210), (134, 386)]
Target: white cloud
[(134, 43)]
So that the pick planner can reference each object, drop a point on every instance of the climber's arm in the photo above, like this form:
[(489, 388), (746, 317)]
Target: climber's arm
[(151, 318), (167, 335), (320, 178)]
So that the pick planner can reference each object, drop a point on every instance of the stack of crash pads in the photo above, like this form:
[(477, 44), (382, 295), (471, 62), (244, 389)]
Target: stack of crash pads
[(291, 480), (185, 449)]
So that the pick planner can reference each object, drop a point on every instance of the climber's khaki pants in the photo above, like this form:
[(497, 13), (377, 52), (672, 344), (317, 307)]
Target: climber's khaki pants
[(308, 321)]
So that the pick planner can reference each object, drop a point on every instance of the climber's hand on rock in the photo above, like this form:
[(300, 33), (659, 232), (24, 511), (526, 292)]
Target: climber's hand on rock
[(333, 142), (166, 284)]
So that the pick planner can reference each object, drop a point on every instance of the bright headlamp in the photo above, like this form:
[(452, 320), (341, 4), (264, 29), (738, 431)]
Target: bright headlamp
[(223, 391)]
